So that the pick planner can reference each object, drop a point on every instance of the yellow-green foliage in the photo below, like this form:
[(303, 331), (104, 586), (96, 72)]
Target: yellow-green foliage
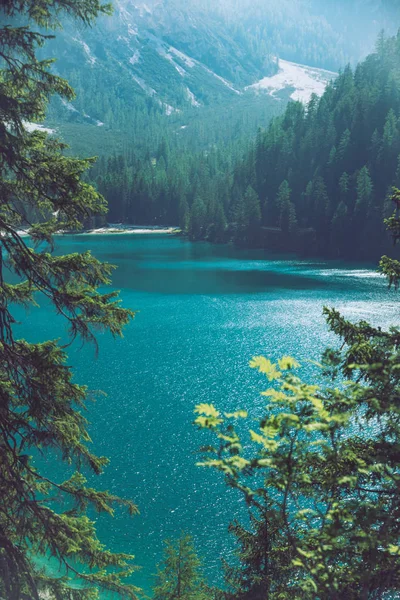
[(323, 462)]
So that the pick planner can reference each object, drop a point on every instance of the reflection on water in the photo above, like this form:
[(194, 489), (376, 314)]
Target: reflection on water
[(171, 265), (204, 310)]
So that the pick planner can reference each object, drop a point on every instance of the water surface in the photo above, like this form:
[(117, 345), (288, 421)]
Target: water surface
[(203, 312)]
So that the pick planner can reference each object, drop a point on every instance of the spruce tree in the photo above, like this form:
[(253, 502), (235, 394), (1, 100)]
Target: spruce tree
[(283, 196), (218, 234), (252, 215), (263, 562), (179, 575), (344, 145), (364, 192), (41, 408), (344, 186), (340, 229), (197, 221)]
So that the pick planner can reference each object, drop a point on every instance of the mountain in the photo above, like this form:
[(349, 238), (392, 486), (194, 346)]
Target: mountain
[(148, 53), (318, 179), (155, 67), (319, 33)]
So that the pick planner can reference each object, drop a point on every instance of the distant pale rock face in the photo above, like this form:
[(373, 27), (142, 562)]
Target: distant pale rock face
[(181, 54), (169, 110), (186, 59), (37, 127), (305, 81), (206, 53), (192, 98), (135, 58)]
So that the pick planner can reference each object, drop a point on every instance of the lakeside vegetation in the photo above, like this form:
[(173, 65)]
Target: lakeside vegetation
[(319, 472), (317, 180)]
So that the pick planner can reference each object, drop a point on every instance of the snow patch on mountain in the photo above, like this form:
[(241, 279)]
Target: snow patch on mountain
[(68, 105), (189, 62), (149, 90), (224, 81), (227, 83), (30, 127), (192, 98), (126, 17), (90, 58), (181, 71), (305, 80), (169, 110), (135, 58), (166, 54)]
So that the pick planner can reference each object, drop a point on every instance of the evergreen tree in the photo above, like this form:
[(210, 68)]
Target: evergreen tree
[(219, 225), (263, 561), (321, 210), (390, 130), (340, 228), (283, 196), (344, 145), (364, 192), (287, 212), (354, 125), (251, 215), (179, 575), (197, 222), (41, 408), (325, 461), (344, 186), (184, 214)]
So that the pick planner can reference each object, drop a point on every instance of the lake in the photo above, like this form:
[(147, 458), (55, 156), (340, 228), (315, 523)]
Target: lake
[(203, 312)]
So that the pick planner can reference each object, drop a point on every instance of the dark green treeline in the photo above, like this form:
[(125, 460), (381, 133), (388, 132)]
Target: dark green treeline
[(317, 179)]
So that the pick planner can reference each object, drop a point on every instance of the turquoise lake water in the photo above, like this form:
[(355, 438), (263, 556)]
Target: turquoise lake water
[(203, 312)]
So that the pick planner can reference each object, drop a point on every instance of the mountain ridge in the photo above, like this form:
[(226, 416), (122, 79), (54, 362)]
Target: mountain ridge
[(169, 58)]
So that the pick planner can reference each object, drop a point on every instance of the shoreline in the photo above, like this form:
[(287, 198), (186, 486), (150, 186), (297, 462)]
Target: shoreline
[(115, 230), (130, 230)]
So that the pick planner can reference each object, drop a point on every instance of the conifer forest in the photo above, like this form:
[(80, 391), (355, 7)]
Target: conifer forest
[(199, 318)]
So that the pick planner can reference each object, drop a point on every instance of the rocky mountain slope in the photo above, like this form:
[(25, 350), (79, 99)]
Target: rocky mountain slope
[(165, 58)]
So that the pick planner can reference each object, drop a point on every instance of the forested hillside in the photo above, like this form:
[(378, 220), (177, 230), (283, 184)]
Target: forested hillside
[(330, 166), (322, 33), (293, 480), (318, 177), (153, 68)]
